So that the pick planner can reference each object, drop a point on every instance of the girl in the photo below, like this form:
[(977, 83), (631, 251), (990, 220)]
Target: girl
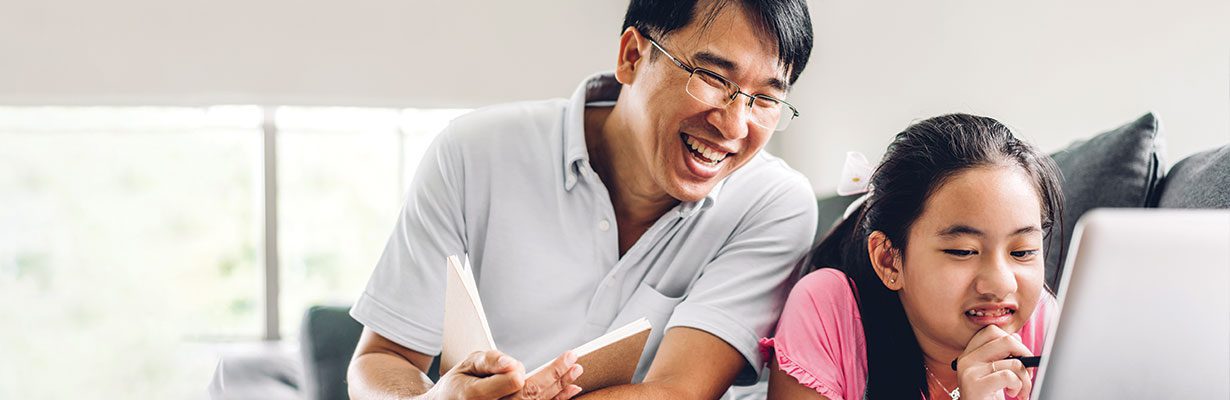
[(942, 261)]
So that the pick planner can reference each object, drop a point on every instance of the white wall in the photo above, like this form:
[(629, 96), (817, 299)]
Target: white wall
[(457, 53), (1055, 70)]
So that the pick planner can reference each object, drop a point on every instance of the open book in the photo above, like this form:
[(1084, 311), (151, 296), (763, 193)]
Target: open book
[(608, 360)]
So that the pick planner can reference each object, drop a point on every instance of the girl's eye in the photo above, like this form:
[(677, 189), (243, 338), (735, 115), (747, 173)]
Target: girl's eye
[(1024, 253), (960, 253)]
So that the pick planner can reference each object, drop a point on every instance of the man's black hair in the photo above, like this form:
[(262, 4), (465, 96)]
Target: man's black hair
[(786, 21)]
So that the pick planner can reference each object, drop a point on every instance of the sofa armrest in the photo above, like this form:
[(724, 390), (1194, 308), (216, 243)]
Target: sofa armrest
[(328, 339)]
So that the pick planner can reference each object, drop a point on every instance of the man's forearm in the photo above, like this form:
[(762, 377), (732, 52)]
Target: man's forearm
[(646, 390), (385, 376)]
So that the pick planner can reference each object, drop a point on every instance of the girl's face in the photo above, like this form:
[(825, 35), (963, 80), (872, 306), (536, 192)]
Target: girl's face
[(974, 257)]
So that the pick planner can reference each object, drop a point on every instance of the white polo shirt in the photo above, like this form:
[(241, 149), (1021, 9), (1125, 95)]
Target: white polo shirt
[(511, 187)]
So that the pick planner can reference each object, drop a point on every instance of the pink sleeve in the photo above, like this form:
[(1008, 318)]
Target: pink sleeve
[(1033, 333), (819, 339)]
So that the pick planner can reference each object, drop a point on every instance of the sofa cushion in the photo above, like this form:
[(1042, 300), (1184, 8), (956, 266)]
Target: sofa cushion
[(263, 371), (327, 340), (830, 210), (1118, 168), (1199, 181)]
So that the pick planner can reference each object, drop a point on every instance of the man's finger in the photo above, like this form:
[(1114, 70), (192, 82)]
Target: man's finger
[(495, 386), (493, 362), (568, 393), (552, 379), (573, 373)]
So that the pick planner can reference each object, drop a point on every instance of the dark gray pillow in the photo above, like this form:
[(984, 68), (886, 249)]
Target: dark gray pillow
[(1119, 168), (1199, 181), (830, 210), (327, 341)]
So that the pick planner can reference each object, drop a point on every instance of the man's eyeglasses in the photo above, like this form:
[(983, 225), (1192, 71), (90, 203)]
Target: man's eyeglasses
[(715, 90)]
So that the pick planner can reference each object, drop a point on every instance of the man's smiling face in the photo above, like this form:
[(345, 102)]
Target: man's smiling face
[(684, 146)]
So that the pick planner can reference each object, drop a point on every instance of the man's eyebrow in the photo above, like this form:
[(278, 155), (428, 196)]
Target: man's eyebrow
[(777, 84), (716, 61), (726, 64)]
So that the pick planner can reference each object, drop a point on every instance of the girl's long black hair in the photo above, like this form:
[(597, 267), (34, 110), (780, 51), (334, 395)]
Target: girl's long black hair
[(919, 161)]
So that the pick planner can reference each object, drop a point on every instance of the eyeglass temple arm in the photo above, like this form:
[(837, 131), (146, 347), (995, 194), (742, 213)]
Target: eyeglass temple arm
[(674, 60)]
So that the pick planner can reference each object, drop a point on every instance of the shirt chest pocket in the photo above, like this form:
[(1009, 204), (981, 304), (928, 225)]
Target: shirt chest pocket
[(646, 302)]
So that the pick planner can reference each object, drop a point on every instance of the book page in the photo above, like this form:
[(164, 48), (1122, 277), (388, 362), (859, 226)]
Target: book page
[(465, 324), (610, 359)]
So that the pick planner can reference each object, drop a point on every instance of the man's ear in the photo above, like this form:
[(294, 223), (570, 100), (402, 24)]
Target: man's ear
[(632, 49), (885, 260)]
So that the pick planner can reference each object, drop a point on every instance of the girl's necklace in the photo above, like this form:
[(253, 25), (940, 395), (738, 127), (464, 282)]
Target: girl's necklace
[(955, 394)]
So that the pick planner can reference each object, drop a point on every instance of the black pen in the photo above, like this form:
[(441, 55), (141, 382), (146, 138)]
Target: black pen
[(1030, 362)]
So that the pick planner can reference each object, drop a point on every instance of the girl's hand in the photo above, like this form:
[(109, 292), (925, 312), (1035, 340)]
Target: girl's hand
[(983, 372)]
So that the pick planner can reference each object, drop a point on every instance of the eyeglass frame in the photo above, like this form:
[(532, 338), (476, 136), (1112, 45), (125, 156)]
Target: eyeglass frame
[(751, 98)]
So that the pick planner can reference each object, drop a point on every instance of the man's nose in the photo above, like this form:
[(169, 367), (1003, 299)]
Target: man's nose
[(734, 119)]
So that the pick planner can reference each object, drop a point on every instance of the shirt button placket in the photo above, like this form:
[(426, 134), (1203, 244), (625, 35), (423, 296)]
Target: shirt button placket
[(605, 299)]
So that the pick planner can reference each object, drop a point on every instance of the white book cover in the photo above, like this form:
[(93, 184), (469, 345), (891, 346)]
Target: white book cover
[(608, 360)]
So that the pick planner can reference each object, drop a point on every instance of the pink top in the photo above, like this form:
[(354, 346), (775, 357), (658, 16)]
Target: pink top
[(819, 339)]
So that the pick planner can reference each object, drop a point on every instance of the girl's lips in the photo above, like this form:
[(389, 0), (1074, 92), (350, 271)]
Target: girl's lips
[(984, 320), (996, 314)]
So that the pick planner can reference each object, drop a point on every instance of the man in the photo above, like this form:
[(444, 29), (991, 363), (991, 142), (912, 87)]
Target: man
[(645, 195)]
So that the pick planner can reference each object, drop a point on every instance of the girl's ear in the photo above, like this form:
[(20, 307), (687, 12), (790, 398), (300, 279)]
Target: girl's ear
[(885, 260)]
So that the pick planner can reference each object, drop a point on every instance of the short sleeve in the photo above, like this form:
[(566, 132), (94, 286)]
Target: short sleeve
[(819, 339), (740, 292), (404, 299)]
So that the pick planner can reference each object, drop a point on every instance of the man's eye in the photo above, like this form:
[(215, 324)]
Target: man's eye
[(767, 102), (1024, 253), (960, 253)]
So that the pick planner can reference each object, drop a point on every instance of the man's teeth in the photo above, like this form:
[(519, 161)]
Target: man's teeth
[(991, 313), (711, 154)]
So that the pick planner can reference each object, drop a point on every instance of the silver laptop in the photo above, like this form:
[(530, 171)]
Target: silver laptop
[(1144, 308)]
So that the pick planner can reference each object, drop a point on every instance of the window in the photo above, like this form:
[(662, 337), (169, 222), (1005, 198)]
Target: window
[(339, 192), (129, 236)]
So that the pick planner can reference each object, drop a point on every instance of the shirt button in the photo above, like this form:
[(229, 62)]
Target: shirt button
[(604, 225)]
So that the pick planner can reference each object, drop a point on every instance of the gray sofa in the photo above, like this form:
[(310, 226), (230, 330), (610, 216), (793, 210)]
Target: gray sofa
[(1120, 168), (1123, 167)]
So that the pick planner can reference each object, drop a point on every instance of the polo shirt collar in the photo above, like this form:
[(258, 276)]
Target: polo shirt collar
[(600, 89)]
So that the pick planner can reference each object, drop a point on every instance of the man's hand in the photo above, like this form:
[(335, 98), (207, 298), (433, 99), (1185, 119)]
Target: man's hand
[(983, 372), (484, 375), (494, 375), (554, 381), (383, 369)]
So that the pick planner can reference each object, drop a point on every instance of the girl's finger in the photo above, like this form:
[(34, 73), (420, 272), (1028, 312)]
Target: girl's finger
[(999, 381)]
